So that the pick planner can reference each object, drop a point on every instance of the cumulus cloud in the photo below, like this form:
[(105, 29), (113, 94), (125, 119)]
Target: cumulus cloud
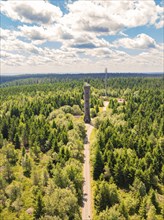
[(110, 17), (160, 17), (40, 12), (86, 42), (15, 52), (84, 35), (34, 32), (11, 59), (10, 43), (90, 17), (141, 41), (6, 34)]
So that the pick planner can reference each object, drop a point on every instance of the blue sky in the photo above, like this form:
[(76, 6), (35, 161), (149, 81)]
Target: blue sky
[(81, 36)]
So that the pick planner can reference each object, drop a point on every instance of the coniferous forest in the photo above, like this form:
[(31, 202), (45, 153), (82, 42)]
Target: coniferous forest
[(42, 136)]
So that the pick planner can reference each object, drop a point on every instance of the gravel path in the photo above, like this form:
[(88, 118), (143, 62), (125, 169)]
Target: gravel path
[(86, 209)]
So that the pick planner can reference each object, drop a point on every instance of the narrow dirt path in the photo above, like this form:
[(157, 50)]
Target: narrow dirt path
[(86, 209)]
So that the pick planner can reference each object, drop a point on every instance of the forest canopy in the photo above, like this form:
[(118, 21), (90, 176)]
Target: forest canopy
[(41, 148)]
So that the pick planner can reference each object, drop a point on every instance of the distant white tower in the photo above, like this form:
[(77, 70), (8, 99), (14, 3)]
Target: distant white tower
[(106, 71)]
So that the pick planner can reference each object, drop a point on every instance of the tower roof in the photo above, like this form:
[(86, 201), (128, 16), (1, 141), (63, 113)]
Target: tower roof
[(86, 84)]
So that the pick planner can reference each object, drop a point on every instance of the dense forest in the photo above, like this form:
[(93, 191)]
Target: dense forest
[(35, 78), (41, 148), (128, 153)]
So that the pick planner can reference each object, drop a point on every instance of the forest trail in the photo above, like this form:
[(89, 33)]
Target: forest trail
[(87, 209), (106, 103)]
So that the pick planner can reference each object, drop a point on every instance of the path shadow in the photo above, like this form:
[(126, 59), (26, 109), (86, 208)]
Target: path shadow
[(84, 199), (86, 140)]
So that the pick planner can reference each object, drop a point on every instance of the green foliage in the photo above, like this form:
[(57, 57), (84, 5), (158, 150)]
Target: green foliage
[(39, 210), (10, 153), (17, 141), (128, 151), (26, 164), (111, 214), (41, 149), (62, 203), (98, 164), (8, 173), (41, 144), (13, 191), (105, 196)]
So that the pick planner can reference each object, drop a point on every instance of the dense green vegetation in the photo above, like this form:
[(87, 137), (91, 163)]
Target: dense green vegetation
[(128, 154), (41, 149), (37, 78)]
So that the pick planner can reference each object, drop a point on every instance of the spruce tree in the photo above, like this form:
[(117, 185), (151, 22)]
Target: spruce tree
[(39, 210), (98, 164)]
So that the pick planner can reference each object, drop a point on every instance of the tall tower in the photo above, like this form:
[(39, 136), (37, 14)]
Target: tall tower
[(106, 71), (87, 117)]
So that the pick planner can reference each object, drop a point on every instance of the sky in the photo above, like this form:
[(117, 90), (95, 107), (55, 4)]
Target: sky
[(81, 36)]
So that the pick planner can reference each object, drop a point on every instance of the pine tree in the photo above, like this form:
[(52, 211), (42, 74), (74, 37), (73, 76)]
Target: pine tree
[(39, 210), (17, 141), (155, 202), (98, 164)]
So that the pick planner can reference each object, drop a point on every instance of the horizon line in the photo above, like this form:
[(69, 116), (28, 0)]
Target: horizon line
[(77, 73)]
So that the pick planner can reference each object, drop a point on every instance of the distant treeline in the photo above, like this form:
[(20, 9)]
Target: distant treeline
[(5, 79)]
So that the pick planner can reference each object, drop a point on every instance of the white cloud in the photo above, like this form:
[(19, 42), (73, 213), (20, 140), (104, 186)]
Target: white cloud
[(81, 33), (19, 47), (11, 59), (160, 20), (86, 41), (141, 41), (41, 34), (58, 33), (40, 12), (100, 17), (87, 16), (25, 56), (160, 24), (14, 51), (34, 32), (6, 34), (110, 17)]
